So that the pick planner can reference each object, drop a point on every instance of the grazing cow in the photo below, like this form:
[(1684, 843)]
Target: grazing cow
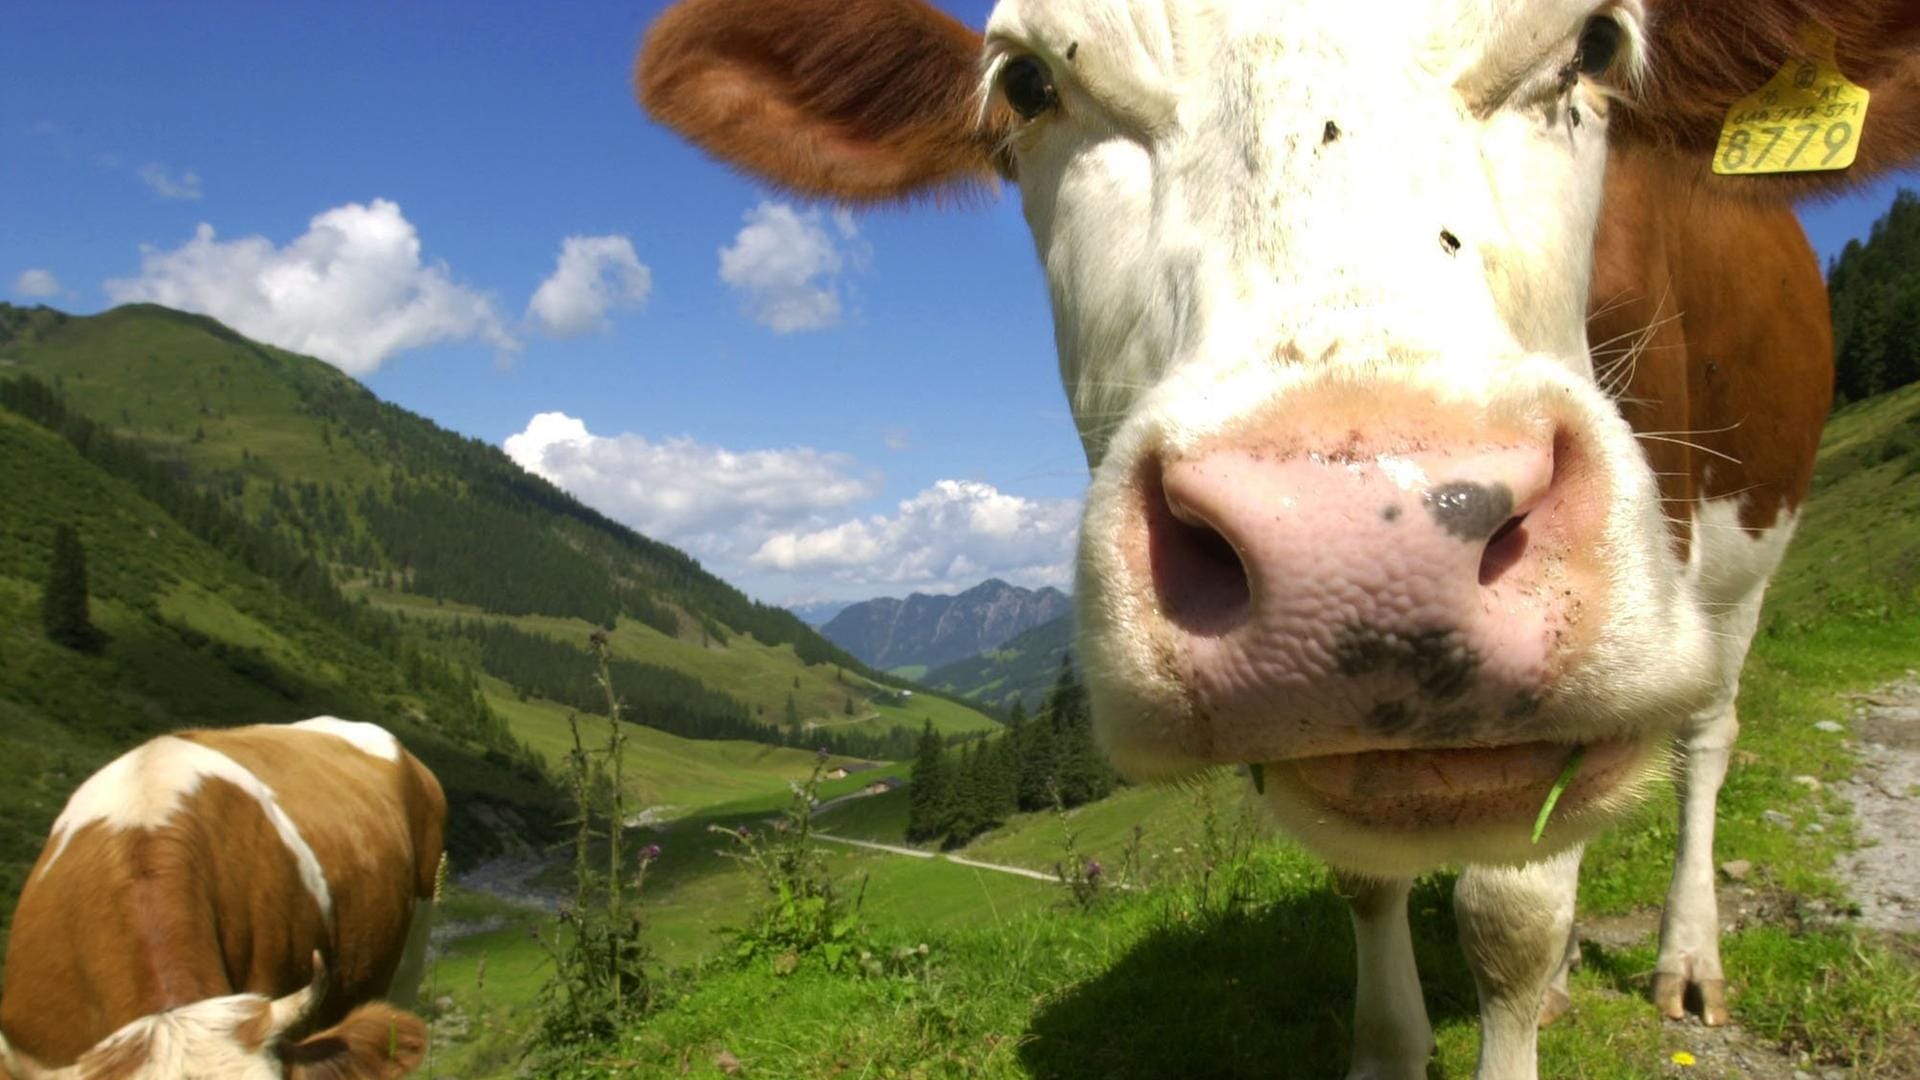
[(1376, 510), (177, 921)]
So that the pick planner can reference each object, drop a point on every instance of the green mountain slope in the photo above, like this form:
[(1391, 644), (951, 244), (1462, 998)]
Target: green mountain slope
[(1025, 666), (195, 638), (423, 523)]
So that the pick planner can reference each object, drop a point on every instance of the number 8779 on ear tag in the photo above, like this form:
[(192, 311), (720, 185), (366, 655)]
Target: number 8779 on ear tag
[(1806, 119)]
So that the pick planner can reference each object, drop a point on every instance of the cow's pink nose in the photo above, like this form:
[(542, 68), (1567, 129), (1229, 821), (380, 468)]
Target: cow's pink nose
[(1356, 586)]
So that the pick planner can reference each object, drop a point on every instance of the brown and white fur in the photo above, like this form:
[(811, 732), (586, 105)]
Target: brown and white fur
[(210, 895), (1338, 293)]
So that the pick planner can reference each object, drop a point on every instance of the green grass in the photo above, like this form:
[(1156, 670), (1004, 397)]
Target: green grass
[(662, 769), (881, 818)]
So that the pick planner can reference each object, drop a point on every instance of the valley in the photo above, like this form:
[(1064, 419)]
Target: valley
[(240, 570)]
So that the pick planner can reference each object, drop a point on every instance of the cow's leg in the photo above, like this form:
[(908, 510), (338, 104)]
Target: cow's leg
[(411, 971), (1690, 925), (1391, 1036), (1559, 999), (1514, 922)]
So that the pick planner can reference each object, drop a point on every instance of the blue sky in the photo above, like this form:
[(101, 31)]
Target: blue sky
[(817, 405)]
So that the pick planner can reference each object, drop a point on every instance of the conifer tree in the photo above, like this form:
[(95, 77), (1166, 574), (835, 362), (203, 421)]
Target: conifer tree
[(929, 798), (1081, 770), (964, 820), (1874, 289), (64, 611), (1039, 764), (1009, 761)]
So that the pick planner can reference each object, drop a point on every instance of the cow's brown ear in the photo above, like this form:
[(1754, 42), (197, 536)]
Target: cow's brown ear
[(1703, 56), (853, 100), (374, 1042)]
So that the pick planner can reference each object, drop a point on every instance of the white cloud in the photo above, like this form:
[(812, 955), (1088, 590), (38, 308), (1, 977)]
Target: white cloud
[(351, 290), (787, 266), (593, 275), (36, 283), (715, 500), (185, 186), (763, 518), (952, 534)]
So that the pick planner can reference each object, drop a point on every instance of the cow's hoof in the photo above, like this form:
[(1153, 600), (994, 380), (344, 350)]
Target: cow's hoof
[(1676, 995), (1556, 1005)]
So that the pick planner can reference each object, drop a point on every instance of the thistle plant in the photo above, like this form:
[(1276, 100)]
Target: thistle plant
[(600, 981), (804, 914)]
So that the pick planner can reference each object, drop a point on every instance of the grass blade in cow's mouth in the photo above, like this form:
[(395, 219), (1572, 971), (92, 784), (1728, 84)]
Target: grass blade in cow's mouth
[(1553, 795)]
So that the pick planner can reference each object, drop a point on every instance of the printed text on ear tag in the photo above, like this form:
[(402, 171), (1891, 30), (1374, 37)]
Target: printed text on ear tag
[(1806, 119)]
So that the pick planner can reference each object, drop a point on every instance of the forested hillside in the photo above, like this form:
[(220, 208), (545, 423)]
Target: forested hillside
[(1018, 670), (197, 618), (387, 512), (1875, 289)]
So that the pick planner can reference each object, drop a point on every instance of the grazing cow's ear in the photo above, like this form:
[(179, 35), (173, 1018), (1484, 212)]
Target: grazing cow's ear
[(855, 100), (1703, 56), (374, 1042)]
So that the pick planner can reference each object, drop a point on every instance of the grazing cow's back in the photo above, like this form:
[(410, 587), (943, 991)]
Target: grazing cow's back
[(1371, 515), (217, 863)]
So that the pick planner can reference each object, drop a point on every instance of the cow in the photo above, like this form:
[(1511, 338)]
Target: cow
[(210, 894), (1381, 510)]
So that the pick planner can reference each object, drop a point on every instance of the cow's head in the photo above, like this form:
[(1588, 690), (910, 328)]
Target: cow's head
[(245, 1037), (1360, 515)]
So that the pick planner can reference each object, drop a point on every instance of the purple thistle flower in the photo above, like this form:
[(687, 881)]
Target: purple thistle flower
[(1093, 870), (650, 852), (742, 830)]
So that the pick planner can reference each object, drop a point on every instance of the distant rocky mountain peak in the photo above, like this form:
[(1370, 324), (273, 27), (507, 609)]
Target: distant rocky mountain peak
[(930, 631)]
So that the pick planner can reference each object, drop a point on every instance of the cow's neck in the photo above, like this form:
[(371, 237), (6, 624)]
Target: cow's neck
[(1729, 395)]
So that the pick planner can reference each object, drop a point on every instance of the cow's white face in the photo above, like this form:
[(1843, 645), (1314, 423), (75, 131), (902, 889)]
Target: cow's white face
[(1360, 516)]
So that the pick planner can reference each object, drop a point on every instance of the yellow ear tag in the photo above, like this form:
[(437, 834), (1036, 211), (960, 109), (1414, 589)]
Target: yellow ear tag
[(1806, 119)]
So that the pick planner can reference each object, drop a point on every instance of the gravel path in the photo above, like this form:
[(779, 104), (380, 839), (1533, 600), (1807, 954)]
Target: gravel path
[(1885, 792), (998, 868)]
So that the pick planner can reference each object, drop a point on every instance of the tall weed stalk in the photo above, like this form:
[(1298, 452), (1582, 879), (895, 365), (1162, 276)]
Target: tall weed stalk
[(600, 983)]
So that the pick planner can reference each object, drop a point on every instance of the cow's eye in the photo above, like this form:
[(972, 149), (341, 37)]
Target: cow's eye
[(1599, 44), (1028, 84)]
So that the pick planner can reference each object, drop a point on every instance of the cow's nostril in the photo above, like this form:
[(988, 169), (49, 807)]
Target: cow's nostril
[(1504, 548), (1197, 575)]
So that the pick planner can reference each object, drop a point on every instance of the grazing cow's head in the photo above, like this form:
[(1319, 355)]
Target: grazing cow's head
[(1360, 515), (244, 1037)]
